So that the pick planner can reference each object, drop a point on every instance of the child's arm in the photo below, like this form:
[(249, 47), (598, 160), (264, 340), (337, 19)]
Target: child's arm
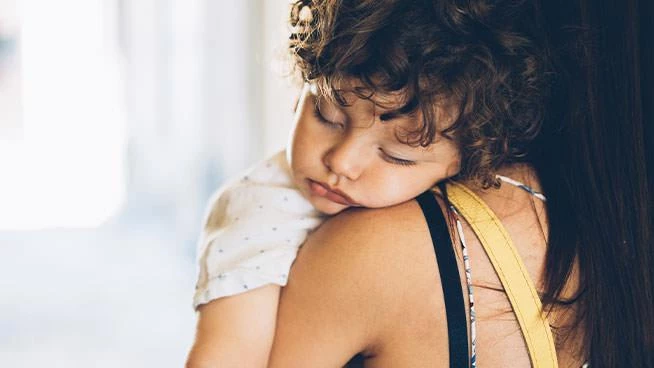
[(236, 331), (251, 234)]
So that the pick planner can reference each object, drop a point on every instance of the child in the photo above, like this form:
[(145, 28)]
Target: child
[(255, 225), (348, 148), (401, 95)]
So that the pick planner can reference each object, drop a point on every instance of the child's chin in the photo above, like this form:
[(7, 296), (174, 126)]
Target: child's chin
[(329, 208)]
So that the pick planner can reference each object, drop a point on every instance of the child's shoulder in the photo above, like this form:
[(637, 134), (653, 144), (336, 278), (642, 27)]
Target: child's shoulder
[(266, 188), (273, 170)]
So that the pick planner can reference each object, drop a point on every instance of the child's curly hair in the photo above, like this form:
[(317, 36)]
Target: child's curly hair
[(486, 59)]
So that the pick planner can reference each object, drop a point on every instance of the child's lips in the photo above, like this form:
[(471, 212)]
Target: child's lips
[(322, 190)]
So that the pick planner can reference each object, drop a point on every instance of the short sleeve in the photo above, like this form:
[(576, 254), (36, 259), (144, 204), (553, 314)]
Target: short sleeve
[(251, 232)]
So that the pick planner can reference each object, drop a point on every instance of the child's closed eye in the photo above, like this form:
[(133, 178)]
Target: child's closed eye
[(324, 121), (395, 160)]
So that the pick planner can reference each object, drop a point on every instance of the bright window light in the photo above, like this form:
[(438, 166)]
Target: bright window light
[(67, 170)]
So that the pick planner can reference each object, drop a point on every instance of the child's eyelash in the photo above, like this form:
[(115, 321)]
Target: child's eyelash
[(394, 160), (386, 157), (318, 115)]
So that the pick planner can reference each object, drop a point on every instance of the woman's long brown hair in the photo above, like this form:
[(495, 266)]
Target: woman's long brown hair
[(594, 158), (564, 85)]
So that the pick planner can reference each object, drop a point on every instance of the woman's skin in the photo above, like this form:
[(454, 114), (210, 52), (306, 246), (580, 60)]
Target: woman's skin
[(346, 150), (367, 281)]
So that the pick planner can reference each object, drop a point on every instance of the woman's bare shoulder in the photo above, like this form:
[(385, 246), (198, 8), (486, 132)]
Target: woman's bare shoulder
[(351, 282), (365, 240), (367, 223), (369, 245)]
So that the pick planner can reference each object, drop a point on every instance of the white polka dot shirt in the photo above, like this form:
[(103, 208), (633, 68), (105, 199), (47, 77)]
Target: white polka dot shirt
[(252, 230)]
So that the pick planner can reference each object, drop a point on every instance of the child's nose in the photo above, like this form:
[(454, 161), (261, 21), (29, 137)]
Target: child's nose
[(348, 159)]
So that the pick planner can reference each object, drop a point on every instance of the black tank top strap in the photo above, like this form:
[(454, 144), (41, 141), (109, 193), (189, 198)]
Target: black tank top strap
[(457, 326)]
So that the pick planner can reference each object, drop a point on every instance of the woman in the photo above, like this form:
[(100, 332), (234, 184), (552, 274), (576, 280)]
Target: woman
[(366, 283)]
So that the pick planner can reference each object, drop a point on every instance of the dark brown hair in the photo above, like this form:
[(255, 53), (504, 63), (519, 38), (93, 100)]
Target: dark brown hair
[(485, 60), (594, 160), (566, 86)]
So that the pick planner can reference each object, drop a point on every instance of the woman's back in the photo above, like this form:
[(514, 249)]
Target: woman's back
[(397, 253), (588, 139), (499, 341)]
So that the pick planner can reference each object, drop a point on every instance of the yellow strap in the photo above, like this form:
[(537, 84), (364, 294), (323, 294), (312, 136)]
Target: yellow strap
[(511, 271)]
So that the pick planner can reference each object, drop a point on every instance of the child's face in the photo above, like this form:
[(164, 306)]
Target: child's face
[(352, 159)]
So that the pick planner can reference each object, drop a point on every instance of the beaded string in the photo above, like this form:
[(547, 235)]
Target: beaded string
[(466, 265), (471, 298), (522, 186)]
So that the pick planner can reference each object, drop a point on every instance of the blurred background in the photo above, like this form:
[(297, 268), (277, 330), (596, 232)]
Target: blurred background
[(118, 119)]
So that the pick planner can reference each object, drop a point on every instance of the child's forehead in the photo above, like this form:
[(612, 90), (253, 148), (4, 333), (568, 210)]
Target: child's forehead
[(362, 113), (355, 94)]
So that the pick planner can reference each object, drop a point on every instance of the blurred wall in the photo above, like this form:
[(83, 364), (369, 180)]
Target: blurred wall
[(145, 107), (207, 95), (216, 66)]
